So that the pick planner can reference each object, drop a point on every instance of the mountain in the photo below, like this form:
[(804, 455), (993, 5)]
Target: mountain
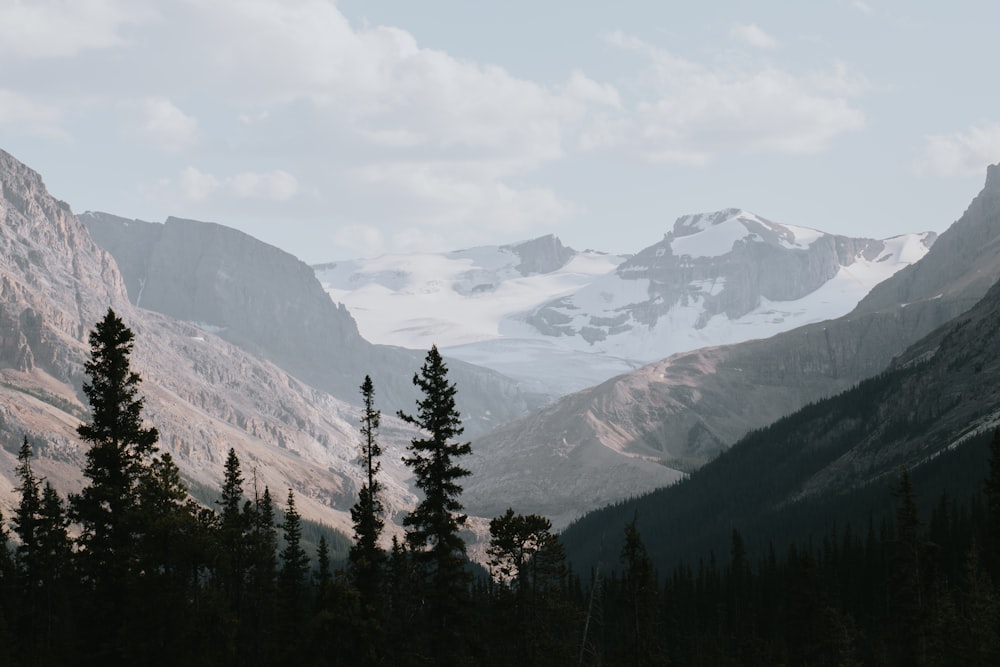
[(204, 394), (270, 304), (463, 301), (932, 412), (562, 320), (680, 412)]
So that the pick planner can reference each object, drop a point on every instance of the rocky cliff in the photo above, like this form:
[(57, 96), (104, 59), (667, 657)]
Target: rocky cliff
[(270, 304), (203, 393)]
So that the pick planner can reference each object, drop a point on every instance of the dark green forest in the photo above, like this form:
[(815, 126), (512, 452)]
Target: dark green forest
[(134, 570)]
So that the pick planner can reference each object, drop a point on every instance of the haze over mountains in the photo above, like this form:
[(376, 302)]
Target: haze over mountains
[(240, 346), (683, 411), (563, 320)]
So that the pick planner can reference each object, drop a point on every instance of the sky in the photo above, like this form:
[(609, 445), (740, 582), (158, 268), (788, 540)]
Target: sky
[(355, 128)]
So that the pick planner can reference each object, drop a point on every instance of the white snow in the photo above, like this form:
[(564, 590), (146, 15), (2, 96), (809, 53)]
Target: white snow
[(714, 241), (472, 303), (429, 299)]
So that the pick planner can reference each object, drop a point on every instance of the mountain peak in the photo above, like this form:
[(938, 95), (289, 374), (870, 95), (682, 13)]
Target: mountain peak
[(993, 177), (544, 254), (693, 223)]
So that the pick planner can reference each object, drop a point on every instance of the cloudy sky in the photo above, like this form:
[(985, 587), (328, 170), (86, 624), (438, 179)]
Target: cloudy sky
[(357, 127)]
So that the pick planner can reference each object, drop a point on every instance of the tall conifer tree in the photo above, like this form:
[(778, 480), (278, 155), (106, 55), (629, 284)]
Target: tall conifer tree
[(117, 461), (365, 555), (433, 525)]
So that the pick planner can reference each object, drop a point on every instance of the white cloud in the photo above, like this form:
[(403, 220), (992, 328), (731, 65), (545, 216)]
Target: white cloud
[(450, 139), (752, 35), (276, 185), (24, 113), (158, 122), (586, 89), (41, 29), (695, 112), (359, 240), (194, 185), (961, 153), (863, 7), (467, 198)]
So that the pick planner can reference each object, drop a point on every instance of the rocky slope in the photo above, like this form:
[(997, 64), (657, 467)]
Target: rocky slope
[(270, 304), (932, 412), (203, 393), (682, 411)]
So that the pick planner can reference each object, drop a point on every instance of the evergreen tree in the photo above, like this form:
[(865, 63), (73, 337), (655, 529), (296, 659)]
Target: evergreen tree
[(292, 582), (54, 557), (39, 533), (365, 556), (993, 508), (433, 525), (527, 564), (255, 640), (172, 558), (234, 525), (8, 586), (323, 573), (643, 599), (26, 523), (117, 461), (907, 580)]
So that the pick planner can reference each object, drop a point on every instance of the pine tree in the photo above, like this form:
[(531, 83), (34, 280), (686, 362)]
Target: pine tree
[(292, 582), (323, 574), (255, 641), (993, 508), (527, 563), (54, 557), (234, 524), (907, 579), (365, 556), (172, 555), (26, 521), (433, 526), (643, 599), (117, 462), (8, 585)]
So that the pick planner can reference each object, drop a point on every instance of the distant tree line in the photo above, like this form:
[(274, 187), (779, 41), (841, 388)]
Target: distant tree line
[(132, 570)]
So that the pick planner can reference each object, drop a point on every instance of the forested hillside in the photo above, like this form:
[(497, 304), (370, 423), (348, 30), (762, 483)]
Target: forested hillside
[(132, 570)]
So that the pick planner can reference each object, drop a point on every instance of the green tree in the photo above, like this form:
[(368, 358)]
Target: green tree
[(644, 645), (233, 527), (993, 508), (255, 640), (365, 556), (292, 581), (528, 566), (117, 461), (173, 555), (8, 586), (908, 578), (26, 522), (43, 555), (433, 525), (54, 560)]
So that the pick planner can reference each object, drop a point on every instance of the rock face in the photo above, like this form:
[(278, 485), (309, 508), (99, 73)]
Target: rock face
[(48, 291), (682, 411), (203, 393), (270, 304), (542, 255)]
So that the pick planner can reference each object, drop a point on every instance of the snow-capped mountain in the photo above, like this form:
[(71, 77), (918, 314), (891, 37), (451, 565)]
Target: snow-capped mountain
[(530, 309)]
